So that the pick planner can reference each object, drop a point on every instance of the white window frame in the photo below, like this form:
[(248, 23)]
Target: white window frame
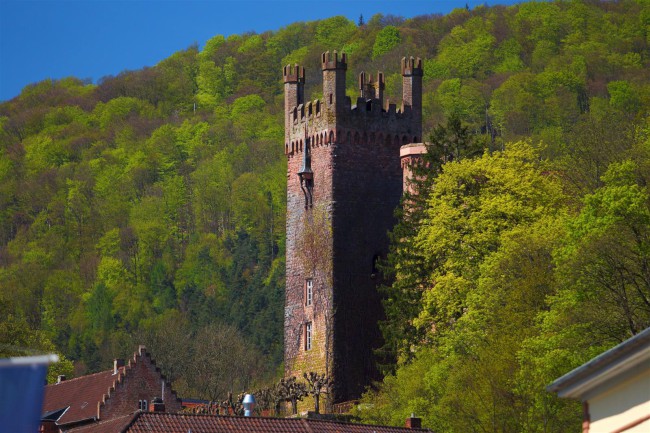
[(308, 335), (309, 292)]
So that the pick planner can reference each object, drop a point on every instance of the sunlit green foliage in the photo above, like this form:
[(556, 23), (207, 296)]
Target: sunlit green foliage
[(387, 39), (154, 202)]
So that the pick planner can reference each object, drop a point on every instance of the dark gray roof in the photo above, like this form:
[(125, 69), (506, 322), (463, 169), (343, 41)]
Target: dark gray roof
[(630, 354)]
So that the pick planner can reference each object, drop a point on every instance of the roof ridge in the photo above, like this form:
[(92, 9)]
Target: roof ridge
[(333, 421), (304, 421), (78, 378), (134, 417)]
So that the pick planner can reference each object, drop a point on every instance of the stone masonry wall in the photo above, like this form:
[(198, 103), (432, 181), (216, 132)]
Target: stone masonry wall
[(300, 253)]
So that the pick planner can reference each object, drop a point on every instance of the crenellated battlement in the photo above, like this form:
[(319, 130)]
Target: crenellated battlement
[(412, 66), (331, 61), (369, 88), (293, 74), (370, 114)]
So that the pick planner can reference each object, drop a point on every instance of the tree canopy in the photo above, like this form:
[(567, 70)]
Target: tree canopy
[(155, 201)]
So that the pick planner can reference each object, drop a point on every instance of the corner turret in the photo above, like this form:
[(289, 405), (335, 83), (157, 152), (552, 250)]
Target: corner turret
[(370, 89), (412, 73), (294, 92), (334, 70)]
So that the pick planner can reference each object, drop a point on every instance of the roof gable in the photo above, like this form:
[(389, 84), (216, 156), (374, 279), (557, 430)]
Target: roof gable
[(89, 397), (81, 396)]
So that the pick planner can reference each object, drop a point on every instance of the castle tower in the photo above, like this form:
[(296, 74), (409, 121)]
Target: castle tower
[(294, 91), (344, 180)]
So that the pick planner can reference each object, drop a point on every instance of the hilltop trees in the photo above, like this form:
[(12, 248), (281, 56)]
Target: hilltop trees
[(156, 198)]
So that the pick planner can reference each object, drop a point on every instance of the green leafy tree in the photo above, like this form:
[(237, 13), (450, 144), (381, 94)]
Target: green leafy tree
[(408, 266), (334, 32), (387, 39)]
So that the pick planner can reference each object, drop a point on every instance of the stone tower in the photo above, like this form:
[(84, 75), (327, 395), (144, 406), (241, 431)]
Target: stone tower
[(344, 180)]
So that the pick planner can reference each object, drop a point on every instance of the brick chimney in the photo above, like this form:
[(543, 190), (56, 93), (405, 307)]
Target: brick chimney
[(156, 405), (413, 422), (117, 364)]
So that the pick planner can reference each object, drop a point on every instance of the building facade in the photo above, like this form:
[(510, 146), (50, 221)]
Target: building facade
[(107, 395), (344, 180), (614, 388)]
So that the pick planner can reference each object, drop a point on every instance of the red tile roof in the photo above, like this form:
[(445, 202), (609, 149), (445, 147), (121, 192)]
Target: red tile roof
[(112, 425), (82, 395), (159, 422)]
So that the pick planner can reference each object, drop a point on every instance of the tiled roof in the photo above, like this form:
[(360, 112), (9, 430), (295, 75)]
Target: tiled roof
[(112, 425), (158, 422), (81, 394)]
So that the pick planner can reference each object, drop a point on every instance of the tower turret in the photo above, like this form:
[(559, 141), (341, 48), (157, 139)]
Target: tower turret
[(334, 70), (294, 94), (371, 89), (412, 91)]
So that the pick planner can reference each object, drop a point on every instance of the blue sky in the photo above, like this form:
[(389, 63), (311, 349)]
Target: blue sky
[(42, 39)]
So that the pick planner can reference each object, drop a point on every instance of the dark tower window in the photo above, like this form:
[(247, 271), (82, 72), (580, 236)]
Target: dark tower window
[(375, 269)]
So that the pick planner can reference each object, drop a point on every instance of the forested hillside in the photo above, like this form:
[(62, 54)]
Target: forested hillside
[(149, 208)]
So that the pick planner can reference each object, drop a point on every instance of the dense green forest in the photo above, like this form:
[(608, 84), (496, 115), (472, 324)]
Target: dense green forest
[(149, 208)]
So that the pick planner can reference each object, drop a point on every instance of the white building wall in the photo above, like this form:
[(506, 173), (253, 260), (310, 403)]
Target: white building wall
[(621, 404)]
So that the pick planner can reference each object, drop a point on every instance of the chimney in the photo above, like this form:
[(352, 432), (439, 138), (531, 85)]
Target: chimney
[(117, 364), (413, 422), (61, 378), (156, 405)]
